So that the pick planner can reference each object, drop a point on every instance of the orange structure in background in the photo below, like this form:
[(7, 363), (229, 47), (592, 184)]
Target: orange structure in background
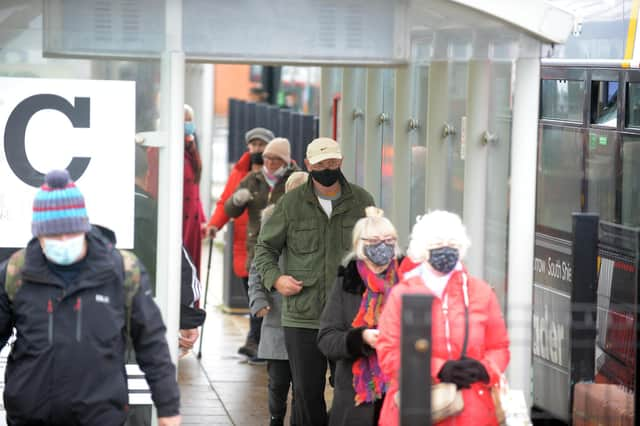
[(231, 81)]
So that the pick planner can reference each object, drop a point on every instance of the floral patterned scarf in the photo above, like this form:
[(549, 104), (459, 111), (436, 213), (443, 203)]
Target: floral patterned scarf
[(369, 382)]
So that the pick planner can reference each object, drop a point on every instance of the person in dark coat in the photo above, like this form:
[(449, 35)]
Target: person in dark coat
[(69, 307), (144, 246), (193, 215), (348, 325), (251, 161)]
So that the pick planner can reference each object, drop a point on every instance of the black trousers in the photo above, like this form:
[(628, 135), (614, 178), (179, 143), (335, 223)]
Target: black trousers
[(279, 381), (255, 324), (308, 373)]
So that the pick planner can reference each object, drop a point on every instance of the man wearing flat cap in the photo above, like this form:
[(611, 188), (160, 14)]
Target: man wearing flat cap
[(312, 226)]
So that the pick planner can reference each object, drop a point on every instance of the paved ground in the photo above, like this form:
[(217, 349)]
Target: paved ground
[(222, 389)]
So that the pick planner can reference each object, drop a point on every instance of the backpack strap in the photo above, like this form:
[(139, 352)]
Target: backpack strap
[(13, 279), (131, 285)]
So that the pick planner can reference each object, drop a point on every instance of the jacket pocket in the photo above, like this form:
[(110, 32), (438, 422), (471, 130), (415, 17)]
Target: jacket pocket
[(105, 324), (347, 232), (307, 304), (303, 237)]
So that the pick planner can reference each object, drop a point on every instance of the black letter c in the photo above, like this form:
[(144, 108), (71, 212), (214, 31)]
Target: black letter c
[(14, 134)]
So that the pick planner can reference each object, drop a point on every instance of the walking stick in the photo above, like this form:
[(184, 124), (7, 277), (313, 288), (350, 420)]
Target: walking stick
[(206, 292)]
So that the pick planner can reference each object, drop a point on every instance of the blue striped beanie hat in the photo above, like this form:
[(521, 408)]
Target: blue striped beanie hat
[(58, 207)]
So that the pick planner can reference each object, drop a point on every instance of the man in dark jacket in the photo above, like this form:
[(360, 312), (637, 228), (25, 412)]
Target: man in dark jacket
[(70, 307), (311, 225)]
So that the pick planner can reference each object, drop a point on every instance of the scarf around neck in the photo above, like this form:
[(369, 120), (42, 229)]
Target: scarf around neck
[(369, 383)]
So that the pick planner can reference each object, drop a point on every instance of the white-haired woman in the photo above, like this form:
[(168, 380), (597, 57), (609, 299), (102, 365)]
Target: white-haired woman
[(348, 325), (470, 345)]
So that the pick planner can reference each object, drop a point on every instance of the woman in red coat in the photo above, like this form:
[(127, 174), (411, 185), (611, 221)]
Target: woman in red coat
[(193, 214), (438, 242)]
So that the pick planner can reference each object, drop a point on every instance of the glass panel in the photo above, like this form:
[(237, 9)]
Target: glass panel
[(457, 109), (633, 105), (84, 28), (562, 99), (498, 179), (418, 141), (23, 42), (386, 176), (601, 175), (631, 181), (360, 81), (604, 103), (560, 157)]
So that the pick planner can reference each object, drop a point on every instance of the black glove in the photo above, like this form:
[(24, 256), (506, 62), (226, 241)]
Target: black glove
[(463, 372)]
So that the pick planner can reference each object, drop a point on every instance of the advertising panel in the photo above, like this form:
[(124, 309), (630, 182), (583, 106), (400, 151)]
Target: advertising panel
[(551, 324), (85, 126)]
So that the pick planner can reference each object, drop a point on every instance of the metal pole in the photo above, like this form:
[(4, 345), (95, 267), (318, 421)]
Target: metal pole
[(522, 205), (206, 293), (415, 360)]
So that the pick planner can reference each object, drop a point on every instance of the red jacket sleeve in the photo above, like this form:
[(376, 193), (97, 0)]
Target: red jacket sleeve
[(219, 218), (388, 344)]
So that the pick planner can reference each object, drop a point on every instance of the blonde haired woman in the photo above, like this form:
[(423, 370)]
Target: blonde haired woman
[(465, 313), (348, 325)]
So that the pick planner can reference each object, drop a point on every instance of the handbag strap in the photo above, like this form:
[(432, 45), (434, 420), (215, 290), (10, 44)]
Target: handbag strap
[(465, 292)]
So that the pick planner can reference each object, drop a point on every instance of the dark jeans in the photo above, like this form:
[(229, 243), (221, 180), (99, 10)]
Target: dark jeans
[(139, 415), (279, 381), (308, 373), (255, 324)]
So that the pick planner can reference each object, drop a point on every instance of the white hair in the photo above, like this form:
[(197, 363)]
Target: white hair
[(374, 224), (436, 229)]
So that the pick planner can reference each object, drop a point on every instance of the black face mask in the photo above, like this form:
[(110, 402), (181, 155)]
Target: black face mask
[(256, 158), (326, 177)]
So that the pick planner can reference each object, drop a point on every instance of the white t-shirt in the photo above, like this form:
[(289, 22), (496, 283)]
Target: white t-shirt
[(326, 205)]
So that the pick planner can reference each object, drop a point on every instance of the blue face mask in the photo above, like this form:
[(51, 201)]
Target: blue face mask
[(64, 252), (444, 259), (189, 128)]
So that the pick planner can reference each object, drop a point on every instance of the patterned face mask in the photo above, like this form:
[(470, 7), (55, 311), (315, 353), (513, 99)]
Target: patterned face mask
[(444, 259), (379, 254)]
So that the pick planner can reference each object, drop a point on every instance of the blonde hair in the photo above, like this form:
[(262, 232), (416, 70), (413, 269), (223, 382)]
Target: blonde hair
[(295, 179), (374, 224), (188, 111), (436, 229)]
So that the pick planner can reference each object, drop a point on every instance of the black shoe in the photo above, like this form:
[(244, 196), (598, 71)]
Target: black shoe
[(257, 361), (276, 421), (250, 349)]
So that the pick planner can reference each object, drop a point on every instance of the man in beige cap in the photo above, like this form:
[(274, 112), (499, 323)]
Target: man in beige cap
[(311, 226)]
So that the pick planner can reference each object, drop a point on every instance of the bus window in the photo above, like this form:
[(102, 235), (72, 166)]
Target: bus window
[(604, 106), (562, 100), (633, 105), (560, 176), (631, 181), (601, 174)]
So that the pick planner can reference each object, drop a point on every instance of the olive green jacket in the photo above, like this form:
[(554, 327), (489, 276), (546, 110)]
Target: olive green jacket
[(314, 246), (256, 183)]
